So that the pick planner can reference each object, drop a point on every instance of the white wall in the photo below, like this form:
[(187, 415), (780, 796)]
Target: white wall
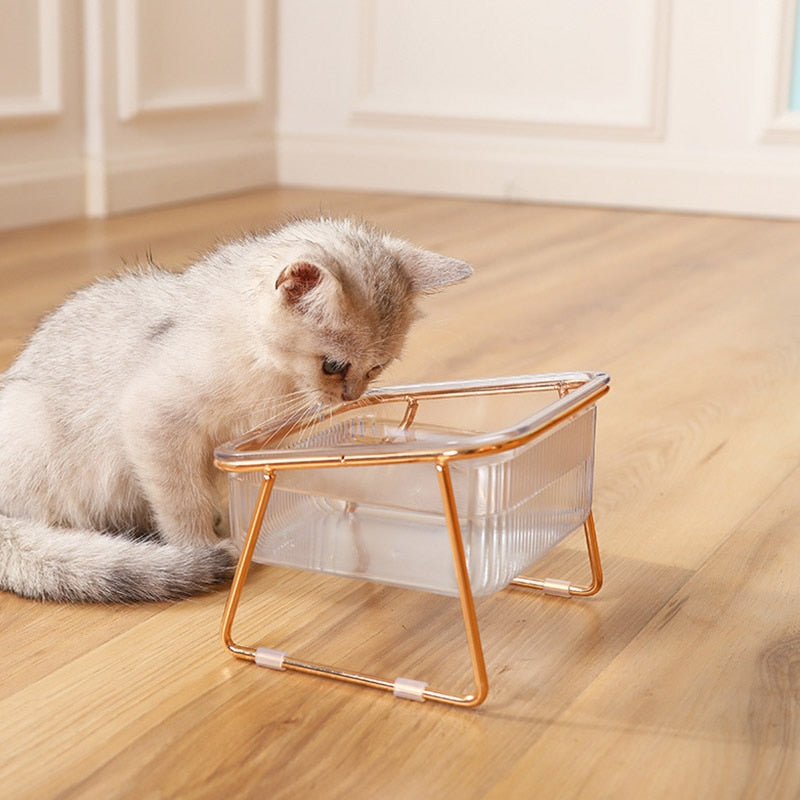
[(674, 104), (109, 105)]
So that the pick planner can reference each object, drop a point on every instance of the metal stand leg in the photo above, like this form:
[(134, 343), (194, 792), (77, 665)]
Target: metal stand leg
[(564, 588), (240, 575)]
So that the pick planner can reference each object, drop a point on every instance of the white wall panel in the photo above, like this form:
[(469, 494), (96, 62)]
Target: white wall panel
[(41, 167), (180, 100), (30, 54), (184, 54), (532, 65)]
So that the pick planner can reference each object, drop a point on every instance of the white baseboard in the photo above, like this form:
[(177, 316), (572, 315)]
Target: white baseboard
[(178, 174), (707, 184), (34, 193)]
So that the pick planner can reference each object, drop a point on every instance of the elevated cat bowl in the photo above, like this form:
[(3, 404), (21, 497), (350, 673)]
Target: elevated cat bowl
[(456, 488)]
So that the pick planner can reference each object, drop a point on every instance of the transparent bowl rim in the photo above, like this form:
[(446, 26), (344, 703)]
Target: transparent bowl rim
[(577, 391)]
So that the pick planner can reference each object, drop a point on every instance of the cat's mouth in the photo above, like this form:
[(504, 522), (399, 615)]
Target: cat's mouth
[(328, 399)]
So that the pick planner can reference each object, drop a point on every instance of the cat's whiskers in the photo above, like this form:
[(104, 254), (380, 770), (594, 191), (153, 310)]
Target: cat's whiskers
[(295, 414), (277, 408)]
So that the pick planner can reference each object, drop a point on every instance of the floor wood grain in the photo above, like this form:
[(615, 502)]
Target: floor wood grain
[(680, 679)]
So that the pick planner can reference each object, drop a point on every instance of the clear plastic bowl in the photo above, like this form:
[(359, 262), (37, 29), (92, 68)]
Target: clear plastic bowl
[(356, 492)]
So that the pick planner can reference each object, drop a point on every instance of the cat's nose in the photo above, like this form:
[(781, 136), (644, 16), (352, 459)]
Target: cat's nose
[(352, 389)]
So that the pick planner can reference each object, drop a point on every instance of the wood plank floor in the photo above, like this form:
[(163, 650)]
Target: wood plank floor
[(680, 679)]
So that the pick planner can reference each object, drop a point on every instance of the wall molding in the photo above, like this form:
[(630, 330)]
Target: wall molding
[(370, 109), (780, 125), (134, 103), (47, 101)]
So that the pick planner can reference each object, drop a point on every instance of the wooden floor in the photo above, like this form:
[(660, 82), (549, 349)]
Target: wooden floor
[(680, 679)]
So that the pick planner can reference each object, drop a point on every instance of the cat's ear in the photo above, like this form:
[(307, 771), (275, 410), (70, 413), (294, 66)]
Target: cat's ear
[(430, 271), (310, 290), (297, 280)]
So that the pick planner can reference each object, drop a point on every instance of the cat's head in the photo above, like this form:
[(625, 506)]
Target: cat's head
[(345, 299)]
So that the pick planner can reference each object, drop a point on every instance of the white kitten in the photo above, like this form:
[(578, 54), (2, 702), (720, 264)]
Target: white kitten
[(109, 416)]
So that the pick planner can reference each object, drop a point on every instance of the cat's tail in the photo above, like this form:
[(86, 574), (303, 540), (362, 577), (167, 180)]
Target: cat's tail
[(72, 565)]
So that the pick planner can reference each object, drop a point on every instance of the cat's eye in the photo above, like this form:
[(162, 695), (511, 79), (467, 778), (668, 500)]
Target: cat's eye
[(330, 366), (374, 372)]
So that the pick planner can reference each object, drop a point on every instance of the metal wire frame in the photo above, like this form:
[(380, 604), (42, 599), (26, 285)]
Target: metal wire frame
[(595, 385)]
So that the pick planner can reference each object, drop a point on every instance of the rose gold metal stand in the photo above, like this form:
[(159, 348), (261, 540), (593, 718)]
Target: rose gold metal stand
[(402, 687)]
